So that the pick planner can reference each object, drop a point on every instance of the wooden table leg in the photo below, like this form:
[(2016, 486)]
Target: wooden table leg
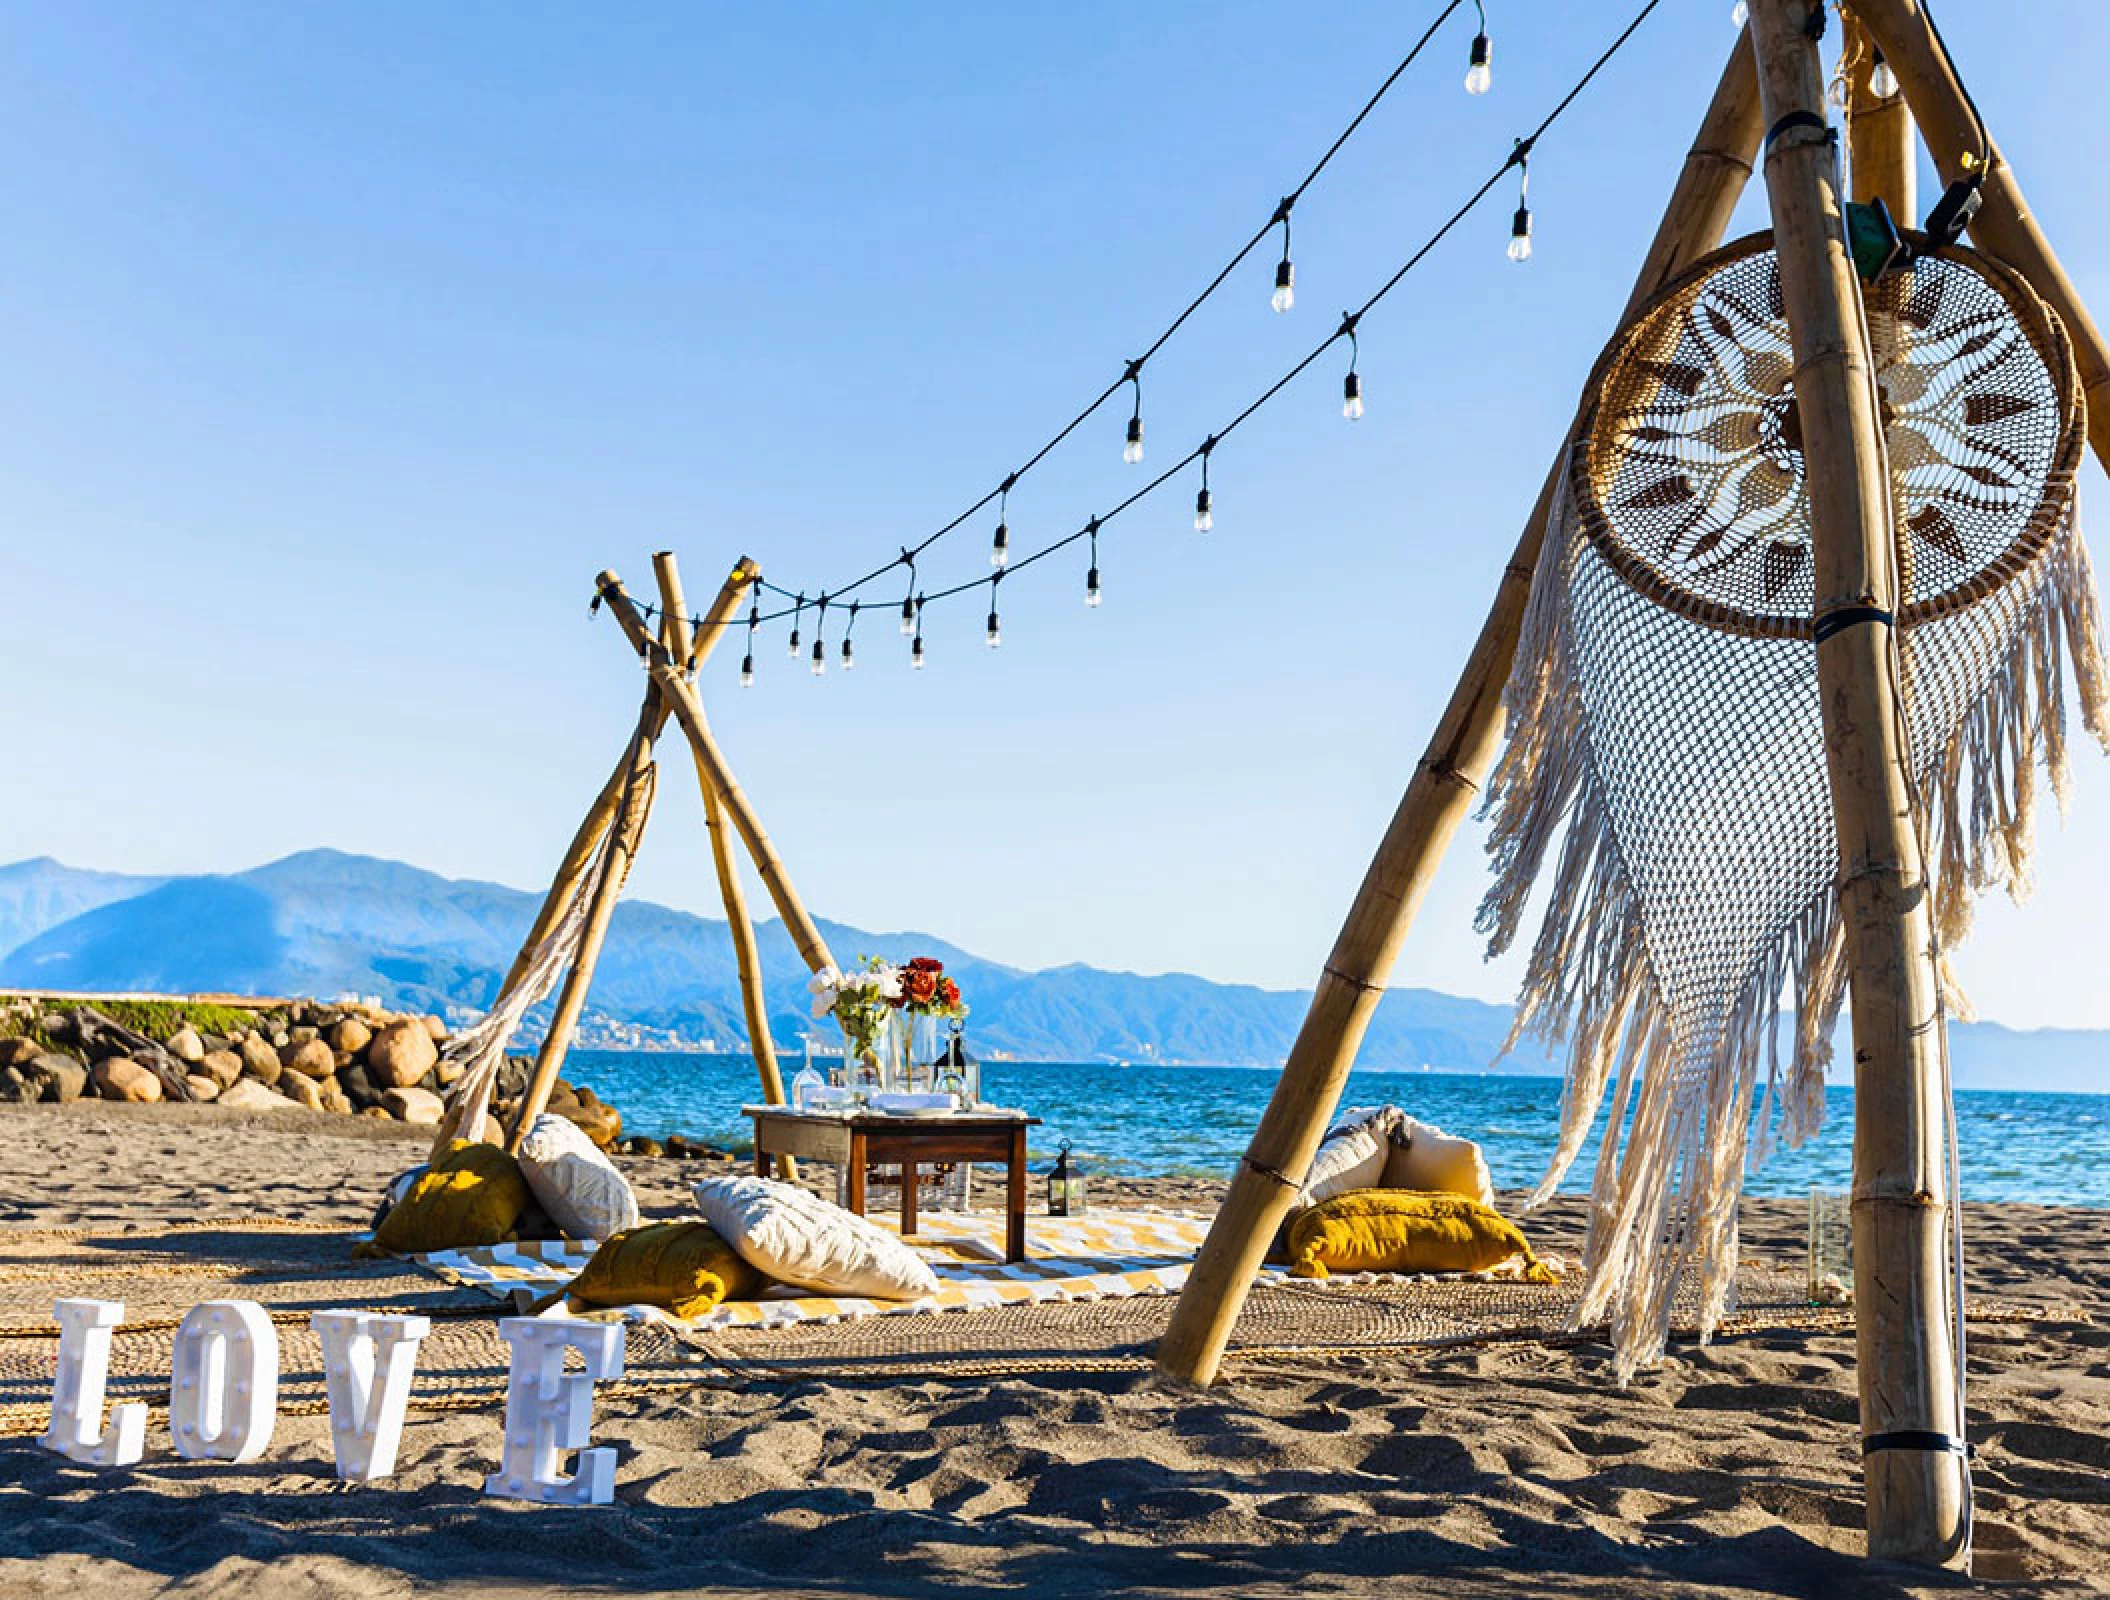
[(857, 1171), (908, 1198), (761, 1158), (1015, 1235)]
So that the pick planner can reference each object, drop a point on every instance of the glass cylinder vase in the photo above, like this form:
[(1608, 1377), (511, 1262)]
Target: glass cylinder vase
[(915, 1051)]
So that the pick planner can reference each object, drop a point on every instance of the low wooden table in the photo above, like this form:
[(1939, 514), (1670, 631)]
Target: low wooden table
[(858, 1139)]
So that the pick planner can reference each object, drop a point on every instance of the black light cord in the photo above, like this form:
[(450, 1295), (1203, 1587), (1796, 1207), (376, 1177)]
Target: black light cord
[(1519, 152)]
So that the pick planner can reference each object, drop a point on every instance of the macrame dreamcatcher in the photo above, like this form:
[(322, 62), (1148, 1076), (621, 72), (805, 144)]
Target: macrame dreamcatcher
[(1664, 720)]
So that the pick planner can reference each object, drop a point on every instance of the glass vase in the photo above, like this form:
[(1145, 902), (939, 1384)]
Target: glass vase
[(915, 1051), (867, 1063)]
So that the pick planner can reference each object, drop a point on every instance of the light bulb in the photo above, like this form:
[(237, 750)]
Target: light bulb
[(1000, 551), (915, 654), (1285, 294), (908, 617), (996, 634), (849, 661), (1882, 82), (1520, 235), (820, 659), (1835, 94), (1091, 587), (1204, 513), (1740, 13), (1132, 452), (1352, 398), (1480, 75), (793, 651), (747, 672)]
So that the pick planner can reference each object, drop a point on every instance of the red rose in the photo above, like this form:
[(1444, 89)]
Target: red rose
[(919, 986)]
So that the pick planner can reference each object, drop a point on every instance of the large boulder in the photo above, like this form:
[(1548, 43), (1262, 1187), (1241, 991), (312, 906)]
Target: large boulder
[(58, 1077), (222, 1066), (202, 1088), (185, 1045), (302, 1090), (260, 1059), (601, 1123), (334, 1098), (350, 1035), (401, 1054), (17, 1089), (414, 1105), (121, 1078), (436, 1028), (310, 1058), (14, 1052), (247, 1094)]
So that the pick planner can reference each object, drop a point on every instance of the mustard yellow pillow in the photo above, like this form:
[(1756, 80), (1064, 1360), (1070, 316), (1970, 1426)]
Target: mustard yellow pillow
[(681, 1266), (472, 1195), (1394, 1230)]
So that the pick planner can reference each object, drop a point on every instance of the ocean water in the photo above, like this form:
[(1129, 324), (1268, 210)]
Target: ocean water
[(1152, 1121)]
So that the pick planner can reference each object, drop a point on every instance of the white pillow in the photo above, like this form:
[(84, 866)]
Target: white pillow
[(573, 1182), (799, 1239), (1353, 1156), (1426, 1159)]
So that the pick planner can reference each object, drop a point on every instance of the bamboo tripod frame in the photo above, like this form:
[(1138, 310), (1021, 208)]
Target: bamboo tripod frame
[(1917, 1498), (615, 823)]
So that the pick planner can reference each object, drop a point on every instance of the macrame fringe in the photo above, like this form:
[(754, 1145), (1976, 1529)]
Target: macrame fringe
[(1667, 1183)]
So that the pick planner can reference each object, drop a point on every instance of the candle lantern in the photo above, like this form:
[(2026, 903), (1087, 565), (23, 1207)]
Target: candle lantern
[(1065, 1186), (958, 1073)]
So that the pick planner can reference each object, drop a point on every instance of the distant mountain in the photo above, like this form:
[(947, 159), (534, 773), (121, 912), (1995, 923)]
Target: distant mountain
[(327, 923)]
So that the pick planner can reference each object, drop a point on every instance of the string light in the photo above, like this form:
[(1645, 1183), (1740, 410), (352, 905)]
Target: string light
[(849, 661), (1091, 578), (1740, 13), (1204, 507), (798, 608), (996, 632), (915, 651), (1285, 294), (1000, 549), (820, 629), (1480, 65), (754, 621), (908, 601), (1352, 385), (1520, 224), (1132, 452), (1882, 81)]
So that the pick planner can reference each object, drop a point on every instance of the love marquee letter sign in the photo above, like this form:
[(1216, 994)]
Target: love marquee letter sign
[(223, 1393)]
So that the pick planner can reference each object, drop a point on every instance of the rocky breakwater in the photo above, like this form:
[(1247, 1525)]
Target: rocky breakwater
[(320, 1056)]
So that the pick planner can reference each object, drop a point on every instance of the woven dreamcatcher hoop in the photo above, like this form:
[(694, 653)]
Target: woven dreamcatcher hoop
[(1665, 722)]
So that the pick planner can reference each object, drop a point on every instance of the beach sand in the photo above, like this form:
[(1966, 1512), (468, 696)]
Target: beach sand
[(1496, 1469)]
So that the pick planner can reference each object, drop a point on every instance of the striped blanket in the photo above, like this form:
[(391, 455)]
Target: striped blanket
[(1100, 1256)]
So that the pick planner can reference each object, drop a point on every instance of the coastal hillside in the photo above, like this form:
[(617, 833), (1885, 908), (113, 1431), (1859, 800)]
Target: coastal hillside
[(325, 923)]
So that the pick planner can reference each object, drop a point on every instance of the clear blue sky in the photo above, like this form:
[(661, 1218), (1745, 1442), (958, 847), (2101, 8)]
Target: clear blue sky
[(344, 343)]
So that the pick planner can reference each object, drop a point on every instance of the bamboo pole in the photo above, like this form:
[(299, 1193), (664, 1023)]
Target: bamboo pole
[(1442, 790), (595, 823), (1906, 1359), (2004, 226), (1880, 135), (688, 711), (627, 830), (747, 957)]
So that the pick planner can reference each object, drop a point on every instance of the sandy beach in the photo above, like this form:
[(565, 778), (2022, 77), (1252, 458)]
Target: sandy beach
[(1499, 1468)]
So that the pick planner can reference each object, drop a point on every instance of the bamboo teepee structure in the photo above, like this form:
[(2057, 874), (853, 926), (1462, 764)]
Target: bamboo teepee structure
[(567, 934), (1771, 98)]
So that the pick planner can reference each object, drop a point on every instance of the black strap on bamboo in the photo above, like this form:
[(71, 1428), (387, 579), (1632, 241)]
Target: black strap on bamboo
[(1834, 622), (1926, 1439)]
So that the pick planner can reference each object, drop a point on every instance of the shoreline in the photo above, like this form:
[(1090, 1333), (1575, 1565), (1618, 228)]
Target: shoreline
[(1488, 1468)]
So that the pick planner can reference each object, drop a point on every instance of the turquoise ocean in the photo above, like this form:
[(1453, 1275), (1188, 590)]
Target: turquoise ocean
[(1144, 1121)]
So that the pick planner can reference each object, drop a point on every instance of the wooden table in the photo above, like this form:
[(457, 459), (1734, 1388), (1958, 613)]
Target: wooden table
[(858, 1139)]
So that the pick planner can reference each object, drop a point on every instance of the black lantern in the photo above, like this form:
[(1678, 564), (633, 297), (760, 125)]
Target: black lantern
[(1065, 1186)]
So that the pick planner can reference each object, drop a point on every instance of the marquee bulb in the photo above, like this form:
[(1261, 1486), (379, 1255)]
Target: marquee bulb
[(1882, 82), (1740, 13), (1285, 294), (1132, 452), (1352, 397), (793, 651), (1000, 551), (915, 654), (1204, 512), (1520, 235), (747, 672), (996, 634), (1091, 587), (820, 659), (1480, 74), (849, 661), (908, 617)]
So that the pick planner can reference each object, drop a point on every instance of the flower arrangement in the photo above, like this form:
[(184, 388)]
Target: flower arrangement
[(926, 991), (860, 1001)]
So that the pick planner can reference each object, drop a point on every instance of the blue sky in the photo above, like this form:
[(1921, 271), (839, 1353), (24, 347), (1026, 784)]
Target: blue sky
[(346, 343)]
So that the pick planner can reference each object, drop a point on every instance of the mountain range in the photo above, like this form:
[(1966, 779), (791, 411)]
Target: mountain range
[(327, 923)]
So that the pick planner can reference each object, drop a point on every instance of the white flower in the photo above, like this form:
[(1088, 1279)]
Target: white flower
[(826, 985)]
